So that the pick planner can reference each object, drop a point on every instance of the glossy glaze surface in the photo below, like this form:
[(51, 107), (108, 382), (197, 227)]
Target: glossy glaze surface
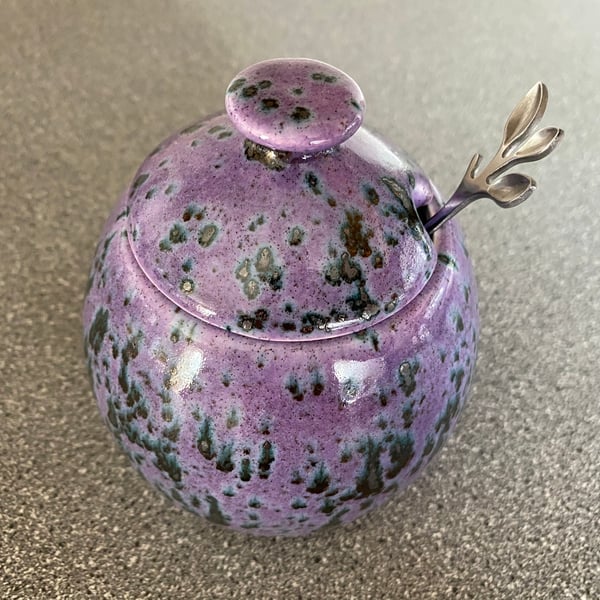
[(306, 249), (271, 437), (273, 338), (295, 105)]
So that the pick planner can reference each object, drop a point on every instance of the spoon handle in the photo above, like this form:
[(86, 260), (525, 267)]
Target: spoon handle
[(520, 144)]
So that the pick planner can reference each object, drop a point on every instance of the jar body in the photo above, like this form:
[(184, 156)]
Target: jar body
[(277, 438)]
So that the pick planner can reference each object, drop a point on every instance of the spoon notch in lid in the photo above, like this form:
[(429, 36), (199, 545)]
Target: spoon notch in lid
[(520, 144)]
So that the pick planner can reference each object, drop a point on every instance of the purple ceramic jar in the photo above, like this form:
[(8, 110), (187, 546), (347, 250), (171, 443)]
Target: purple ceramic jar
[(273, 337)]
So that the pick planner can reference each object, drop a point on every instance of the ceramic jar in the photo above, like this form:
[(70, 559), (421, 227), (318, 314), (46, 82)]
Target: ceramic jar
[(272, 336)]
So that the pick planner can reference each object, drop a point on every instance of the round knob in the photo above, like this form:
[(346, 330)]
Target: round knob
[(295, 105)]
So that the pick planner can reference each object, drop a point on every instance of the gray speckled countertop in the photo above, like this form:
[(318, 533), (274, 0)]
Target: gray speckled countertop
[(511, 507)]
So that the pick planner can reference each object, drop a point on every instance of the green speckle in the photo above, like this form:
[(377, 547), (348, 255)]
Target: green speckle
[(260, 220), (317, 384), (448, 260), (123, 377), (187, 285), (224, 134), (170, 189), (98, 330), (457, 376), (406, 376), (328, 506), (140, 179), (266, 458), (251, 289), (249, 91), (361, 303), (178, 234), (324, 77), (245, 469), (450, 411), (133, 395), (187, 265), (172, 432), (348, 494), (298, 503), (459, 322), (300, 114), (296, 236), (401, 453), (229, 492), (206, 441), (267, 270), (264, 259), (467, 292), (122, 214), (214, 514), (233, 419), (236, 85), (224, 462), (166, 461), (408, 414), (320, 480), (167, 413), (313, 183), (377, 260), (371, 195), (164, 246), (254, 502), (429, 445), (295, 388), (243, 270), (343, 269), (269, 104), (346, 454), (207, 235), (374, 338), (370, 480)]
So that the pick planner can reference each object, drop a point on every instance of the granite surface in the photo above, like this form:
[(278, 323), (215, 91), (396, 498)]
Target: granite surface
[(511, 507)]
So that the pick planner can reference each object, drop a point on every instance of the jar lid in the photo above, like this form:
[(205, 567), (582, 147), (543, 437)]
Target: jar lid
[(295, 105), (278, 242)]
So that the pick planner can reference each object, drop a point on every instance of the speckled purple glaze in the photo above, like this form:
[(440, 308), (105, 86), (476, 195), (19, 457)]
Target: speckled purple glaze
[(318, 248), (296, 105), (278, 436)]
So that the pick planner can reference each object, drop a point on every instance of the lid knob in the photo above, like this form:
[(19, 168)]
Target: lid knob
[(295, 105)]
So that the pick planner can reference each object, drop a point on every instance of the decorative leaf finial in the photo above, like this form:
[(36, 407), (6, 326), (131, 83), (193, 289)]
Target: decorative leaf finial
[(520, 144)]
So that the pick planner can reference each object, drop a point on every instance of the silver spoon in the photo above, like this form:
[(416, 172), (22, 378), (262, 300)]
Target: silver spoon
[(520, 144)]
